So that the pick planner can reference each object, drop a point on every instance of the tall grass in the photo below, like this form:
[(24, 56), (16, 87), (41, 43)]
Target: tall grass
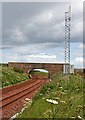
[(9, 76)]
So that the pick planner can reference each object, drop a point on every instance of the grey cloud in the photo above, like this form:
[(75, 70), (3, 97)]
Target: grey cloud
[(16, 12), (35, 49), (5, 47), (35, 25)]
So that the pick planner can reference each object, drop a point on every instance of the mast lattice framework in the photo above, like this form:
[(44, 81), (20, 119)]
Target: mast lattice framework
[(67, 39)]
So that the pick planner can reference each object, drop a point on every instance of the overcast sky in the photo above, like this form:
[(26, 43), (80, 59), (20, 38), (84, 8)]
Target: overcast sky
[(34, 32)]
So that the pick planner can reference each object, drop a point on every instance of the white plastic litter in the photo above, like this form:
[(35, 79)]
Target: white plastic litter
[(52, 101)]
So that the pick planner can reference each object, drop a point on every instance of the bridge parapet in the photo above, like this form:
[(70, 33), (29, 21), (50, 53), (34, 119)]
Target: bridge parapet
[(52, 68)]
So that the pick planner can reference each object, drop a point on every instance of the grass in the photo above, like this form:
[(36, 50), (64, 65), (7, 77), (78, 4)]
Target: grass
[(66, 90), (39, 73), (9, 76)]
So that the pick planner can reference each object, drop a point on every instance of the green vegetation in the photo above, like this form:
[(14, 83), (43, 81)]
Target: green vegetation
[(10, 76), (17, 70), (67, 90), (39, 73)]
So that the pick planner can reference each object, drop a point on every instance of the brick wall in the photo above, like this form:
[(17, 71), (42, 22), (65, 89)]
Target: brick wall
[(51, 67)]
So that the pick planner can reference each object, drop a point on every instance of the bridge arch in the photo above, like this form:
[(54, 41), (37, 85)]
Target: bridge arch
[(42, 72)]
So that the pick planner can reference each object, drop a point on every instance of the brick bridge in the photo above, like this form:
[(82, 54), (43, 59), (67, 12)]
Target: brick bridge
[(52, 68)]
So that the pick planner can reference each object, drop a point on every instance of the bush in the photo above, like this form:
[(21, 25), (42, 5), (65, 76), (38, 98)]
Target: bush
[(4, 65), (17, 70), (45, 90)]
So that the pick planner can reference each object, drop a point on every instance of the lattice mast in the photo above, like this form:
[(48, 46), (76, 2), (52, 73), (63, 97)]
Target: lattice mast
[(67, 39)]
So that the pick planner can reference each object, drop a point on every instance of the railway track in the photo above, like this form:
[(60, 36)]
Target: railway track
[(13, 97)]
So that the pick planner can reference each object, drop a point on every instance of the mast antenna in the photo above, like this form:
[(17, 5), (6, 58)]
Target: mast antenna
[(67, 39)]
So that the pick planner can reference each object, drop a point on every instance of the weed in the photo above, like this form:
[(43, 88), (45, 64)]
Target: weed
[(11, 76), (17, 70), (67, 90)]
